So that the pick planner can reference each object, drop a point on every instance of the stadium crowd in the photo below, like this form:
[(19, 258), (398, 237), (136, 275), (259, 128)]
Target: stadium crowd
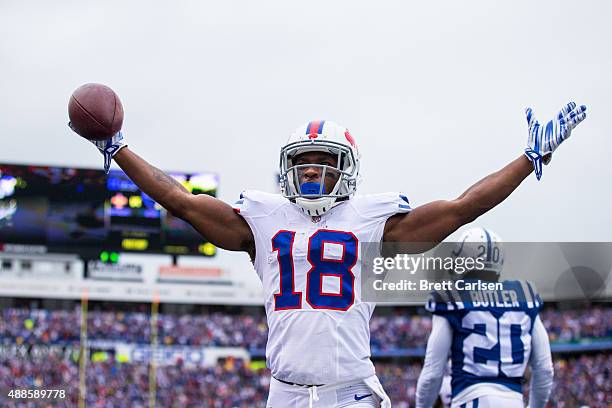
[(579, 381), (111, 384), (582, 380), (576, 324), (394, 331)]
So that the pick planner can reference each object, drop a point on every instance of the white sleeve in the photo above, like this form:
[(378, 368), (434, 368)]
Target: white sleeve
[(541, 366), (436, 357)]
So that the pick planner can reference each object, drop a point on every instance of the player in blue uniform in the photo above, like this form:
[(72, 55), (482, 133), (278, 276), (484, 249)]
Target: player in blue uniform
[(491, 336)]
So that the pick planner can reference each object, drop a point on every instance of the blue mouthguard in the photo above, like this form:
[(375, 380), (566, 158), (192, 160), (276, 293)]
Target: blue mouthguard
[(311, 188)]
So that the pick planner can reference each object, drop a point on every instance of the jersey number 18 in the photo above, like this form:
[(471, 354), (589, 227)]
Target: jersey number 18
[(320, 266)]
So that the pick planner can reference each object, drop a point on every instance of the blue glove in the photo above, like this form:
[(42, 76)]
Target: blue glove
[(108, 147), (543, 141)]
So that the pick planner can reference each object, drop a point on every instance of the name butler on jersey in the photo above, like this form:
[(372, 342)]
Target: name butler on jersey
[(491, 335)]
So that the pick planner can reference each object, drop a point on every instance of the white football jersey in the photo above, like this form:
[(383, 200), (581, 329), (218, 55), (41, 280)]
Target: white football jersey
[(311, 273)]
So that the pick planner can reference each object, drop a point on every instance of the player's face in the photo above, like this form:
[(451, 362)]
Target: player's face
[(313, 174)]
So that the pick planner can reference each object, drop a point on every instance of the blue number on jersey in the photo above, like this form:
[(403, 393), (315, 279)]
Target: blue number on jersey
[(321, 266), (287, 298), (340, 268)]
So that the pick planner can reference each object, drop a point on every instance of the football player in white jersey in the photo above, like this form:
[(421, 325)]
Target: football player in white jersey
[(305, 247), (489, 342)]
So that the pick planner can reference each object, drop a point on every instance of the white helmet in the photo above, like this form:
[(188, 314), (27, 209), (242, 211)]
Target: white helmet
[(482, 243), (327, 137)]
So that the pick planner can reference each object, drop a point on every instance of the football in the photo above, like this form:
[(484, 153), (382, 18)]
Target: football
[(95, 112)]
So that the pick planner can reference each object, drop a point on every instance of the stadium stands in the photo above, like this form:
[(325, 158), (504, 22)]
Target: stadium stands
[(583, 380), (580, 379), (402, 329)]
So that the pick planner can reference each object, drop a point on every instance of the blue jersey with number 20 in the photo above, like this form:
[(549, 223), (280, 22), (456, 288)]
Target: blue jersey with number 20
[(491, 333)]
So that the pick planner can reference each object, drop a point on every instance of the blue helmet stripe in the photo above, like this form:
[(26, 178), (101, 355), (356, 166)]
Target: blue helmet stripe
[(489, 244), (320, 129)]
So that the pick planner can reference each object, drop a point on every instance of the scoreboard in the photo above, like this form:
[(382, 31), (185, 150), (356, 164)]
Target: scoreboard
[(79, 210)]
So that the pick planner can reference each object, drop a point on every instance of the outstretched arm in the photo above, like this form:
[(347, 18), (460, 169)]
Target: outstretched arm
[(211, 217), (431, 223)]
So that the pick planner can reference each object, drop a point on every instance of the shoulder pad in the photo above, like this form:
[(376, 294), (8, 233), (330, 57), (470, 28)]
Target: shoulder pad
[(381, 205), (447, 301), (527, 292), (444, 301), (257, 203)]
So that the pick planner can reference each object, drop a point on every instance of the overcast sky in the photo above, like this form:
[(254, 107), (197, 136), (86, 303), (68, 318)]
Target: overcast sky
[(433, 91)]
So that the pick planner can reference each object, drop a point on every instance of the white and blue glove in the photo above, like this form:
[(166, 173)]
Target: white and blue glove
[(108, 147), (544, 140)]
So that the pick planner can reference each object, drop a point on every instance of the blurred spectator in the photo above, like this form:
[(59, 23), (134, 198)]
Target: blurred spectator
[(402, 329), (574, 325), (579, 381), (583, 380)]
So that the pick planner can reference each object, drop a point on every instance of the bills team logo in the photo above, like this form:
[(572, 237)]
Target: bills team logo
[(350, 139)]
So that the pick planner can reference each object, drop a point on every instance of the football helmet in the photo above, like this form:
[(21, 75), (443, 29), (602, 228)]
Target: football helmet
[(327, 137), (482, 243)]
